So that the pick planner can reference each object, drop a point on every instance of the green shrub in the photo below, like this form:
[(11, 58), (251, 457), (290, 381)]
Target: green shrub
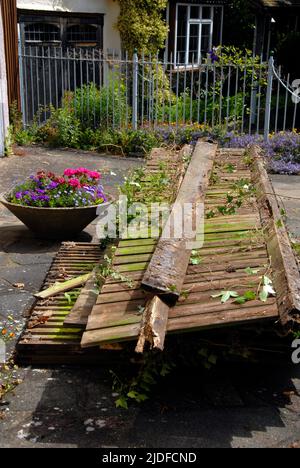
[(188, 110), (105, 107), (127, 141)]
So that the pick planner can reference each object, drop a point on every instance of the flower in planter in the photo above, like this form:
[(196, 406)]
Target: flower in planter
[(76, 188)]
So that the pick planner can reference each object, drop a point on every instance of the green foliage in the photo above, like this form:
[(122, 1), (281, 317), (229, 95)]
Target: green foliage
[(225, 295), (148, 188), (195, 257), (267, 289), (142, 26), (135, 142), (247, 296), (63, 127), (138, 388), (15, 118), (105, 107), (186, 109), (106, 270)]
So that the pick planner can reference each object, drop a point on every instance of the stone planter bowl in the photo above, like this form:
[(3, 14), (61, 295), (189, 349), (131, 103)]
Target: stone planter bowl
[(54, 223)]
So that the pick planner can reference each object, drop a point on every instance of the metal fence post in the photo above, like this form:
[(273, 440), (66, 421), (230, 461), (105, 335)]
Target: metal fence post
[(268, 99), (135, 91)]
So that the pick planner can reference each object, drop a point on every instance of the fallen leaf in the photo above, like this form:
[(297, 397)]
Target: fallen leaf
[(225, 295), (19, 285), (40, 320)]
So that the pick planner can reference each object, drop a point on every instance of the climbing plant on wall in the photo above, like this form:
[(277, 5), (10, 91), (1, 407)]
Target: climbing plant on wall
[(142, 26)]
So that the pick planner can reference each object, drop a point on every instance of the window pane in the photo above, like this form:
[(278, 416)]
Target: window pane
[(206, 12), (205, 39), (181, 20), (82, 33), (195, 12), (217, 33), (181, 39), (42, 32), (193, 43)]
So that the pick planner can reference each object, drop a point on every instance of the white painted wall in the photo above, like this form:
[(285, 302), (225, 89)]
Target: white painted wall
[(110, 8), (4, 113)]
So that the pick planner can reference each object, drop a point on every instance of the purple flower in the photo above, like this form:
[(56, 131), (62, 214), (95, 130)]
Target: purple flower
[(44, 198), (213, 55), (53, 185), (18, 195)]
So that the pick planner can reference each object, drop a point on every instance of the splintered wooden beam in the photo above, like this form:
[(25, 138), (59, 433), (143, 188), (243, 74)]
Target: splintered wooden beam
[(154, 325), (285, 272), (86, 300), (166, 271)]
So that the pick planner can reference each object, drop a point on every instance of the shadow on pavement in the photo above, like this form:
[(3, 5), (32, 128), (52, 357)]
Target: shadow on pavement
[(231, 406)]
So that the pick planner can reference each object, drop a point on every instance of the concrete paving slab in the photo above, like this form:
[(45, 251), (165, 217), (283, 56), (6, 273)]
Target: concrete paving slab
[(287, 189)]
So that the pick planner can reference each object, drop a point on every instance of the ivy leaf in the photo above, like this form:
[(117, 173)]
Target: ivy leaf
[(122, 403), (195, 261), (250, 295), (139, 397), (212, 359), (226, 295), (250, 271), (263, 295), (240, 300), (267, 281), (267, 289)]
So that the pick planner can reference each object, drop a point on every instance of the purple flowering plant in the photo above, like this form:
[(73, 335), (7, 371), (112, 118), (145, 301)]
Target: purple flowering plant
[(75, 188), (282, 150)]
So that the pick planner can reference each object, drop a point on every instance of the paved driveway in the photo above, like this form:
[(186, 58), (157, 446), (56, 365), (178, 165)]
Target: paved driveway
[(237, 405)]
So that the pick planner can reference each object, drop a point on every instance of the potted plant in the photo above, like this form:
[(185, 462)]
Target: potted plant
[(57, 207)]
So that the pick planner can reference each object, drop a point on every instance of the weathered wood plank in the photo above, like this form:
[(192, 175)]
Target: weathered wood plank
[(171, 257), (286, 277), (212, 319)]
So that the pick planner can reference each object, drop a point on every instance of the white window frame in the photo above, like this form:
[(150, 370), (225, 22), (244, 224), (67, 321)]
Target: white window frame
[(189, 22)]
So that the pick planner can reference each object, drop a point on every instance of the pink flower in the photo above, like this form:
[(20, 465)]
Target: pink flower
[(82, 170), (74, 183), (94, 175), (70, 172), (61, 180)]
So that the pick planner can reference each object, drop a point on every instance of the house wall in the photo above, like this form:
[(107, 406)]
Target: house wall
[(110, 8), (4, 115)]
